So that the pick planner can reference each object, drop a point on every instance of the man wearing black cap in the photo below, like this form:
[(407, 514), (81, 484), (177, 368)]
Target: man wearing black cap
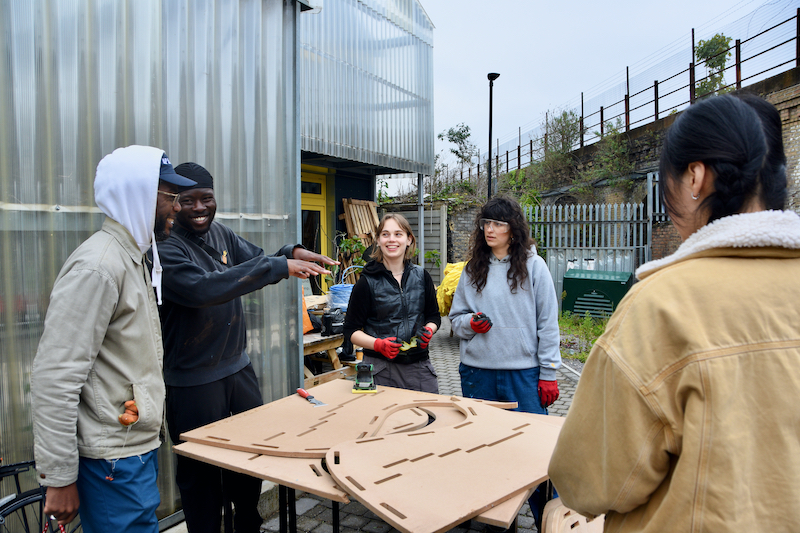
[(207, 267), (101, 352)]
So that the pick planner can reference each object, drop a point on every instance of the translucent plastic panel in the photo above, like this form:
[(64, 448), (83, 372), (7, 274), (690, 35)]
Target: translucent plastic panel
[(366, 83), (210, 81)]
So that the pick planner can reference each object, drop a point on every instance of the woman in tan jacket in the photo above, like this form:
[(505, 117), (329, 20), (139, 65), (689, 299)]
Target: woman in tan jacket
[(686, 416)]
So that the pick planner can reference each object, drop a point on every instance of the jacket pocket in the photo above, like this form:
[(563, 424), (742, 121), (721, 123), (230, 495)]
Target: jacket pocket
[(149, 412)]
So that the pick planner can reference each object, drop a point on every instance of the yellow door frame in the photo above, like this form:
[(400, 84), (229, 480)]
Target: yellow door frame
[(318, 202)]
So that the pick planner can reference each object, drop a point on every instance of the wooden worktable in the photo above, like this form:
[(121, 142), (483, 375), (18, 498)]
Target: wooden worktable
[(315, 343), (419, 477)]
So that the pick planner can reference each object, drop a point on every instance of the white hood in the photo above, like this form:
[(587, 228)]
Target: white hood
[(126, 187), (126, 190)]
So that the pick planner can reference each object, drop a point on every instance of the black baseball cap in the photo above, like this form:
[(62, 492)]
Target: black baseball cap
[(168, 174)]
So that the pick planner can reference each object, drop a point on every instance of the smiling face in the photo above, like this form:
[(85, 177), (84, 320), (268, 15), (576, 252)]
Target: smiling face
[(198, 207), (166, 210), (393, 240)]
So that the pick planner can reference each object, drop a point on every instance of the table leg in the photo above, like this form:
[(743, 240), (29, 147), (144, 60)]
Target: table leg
[(334, 357), (292, 510), (335, 510), (282, 510)]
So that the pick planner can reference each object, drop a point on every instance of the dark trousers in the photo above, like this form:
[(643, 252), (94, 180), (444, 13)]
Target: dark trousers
[(202, 485)]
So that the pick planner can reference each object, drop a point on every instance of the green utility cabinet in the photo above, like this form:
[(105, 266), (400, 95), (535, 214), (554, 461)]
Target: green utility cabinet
[(594, 291)]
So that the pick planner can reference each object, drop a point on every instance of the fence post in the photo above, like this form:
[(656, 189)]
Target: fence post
[(797, 39), (738, 64), (581, 119), (602, 121), (627, 99), (627, 113), (531, 151), (519, 156), (691, 83), (655, 97), (506, 161)]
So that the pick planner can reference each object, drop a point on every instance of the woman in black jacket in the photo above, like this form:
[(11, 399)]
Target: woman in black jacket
[(392, 305)]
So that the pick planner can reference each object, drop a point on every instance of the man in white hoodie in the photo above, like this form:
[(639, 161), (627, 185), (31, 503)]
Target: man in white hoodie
[(101, 348)]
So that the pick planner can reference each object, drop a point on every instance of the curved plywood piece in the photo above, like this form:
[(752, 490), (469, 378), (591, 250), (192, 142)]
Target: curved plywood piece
[(425, 480), (293, 427), (306, 474)]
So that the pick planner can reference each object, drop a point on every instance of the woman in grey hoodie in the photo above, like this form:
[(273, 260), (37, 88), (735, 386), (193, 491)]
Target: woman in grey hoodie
[(505, 312)]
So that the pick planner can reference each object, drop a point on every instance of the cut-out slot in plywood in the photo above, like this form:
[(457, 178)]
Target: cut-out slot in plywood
[(293, 427), (558, 518), (415, 481)]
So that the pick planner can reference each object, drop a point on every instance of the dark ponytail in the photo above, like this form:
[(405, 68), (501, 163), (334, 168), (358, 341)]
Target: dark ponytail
[(731, 138), (773, 171)]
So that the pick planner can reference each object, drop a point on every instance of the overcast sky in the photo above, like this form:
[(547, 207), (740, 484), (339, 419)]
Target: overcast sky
[(547, 52)]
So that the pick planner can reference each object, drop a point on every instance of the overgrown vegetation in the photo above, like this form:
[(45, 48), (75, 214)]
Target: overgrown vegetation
[(578, 334), (611, 160), (553, 162), (715, 52)]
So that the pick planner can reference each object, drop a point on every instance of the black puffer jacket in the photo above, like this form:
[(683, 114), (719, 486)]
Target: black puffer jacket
[(383, 308)]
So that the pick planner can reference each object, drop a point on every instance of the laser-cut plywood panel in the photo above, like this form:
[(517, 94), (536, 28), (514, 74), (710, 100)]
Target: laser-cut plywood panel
[(426, 480), (293, 427), (304, 473)]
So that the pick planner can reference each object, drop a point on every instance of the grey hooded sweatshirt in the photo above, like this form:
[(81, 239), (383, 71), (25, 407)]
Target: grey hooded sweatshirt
[(525, 331), (101, 344)]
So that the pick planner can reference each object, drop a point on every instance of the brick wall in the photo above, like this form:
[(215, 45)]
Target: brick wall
[(788, 103), (665, 240), (460, 223)]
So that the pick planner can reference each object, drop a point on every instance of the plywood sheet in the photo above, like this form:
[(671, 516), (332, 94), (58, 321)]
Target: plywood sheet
[(425, 480), (504, 513), (293, 427), (306, 474)]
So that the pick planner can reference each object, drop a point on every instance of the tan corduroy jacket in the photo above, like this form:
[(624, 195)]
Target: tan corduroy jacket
[(687, 414)]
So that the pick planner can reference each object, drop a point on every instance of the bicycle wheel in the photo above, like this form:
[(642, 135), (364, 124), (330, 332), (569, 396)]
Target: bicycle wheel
[(25, 514)]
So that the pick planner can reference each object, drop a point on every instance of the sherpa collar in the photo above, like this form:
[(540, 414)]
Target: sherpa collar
[(779, 229)]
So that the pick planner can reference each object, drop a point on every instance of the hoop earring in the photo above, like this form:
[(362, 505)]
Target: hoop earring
[(695, 197)]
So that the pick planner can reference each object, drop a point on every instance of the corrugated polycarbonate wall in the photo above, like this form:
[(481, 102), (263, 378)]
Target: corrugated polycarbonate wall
[(208, 81), (366, 83)]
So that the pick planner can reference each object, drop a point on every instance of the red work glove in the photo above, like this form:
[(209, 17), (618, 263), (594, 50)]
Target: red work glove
[(388, 347), (480, 323), (424, 335), (548, 392)]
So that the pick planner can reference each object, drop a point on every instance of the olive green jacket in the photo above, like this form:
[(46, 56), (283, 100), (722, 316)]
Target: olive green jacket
[(686, 416)]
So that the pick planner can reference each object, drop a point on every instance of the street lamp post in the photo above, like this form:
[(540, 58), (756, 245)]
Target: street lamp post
[(492, 76)]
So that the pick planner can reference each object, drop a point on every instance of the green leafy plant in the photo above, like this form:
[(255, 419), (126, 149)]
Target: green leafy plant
[(460, 136), (383, 191), (434, 257), (611, 159), (715, 53), (578, 334), (353, 249)]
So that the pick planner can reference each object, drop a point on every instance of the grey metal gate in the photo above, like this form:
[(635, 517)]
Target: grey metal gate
[(608, 237)]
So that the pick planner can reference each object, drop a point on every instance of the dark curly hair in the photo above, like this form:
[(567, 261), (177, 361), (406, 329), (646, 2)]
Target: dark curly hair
[(507, 210), (739, 139)]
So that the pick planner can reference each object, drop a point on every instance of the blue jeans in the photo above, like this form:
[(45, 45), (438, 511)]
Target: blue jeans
[(126, 503), (521, 386)]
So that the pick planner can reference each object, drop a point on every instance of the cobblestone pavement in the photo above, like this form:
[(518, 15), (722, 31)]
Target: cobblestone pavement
[(315, 515)]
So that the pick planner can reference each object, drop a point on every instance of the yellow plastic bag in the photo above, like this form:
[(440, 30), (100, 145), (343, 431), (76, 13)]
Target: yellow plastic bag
[(445, 292)]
